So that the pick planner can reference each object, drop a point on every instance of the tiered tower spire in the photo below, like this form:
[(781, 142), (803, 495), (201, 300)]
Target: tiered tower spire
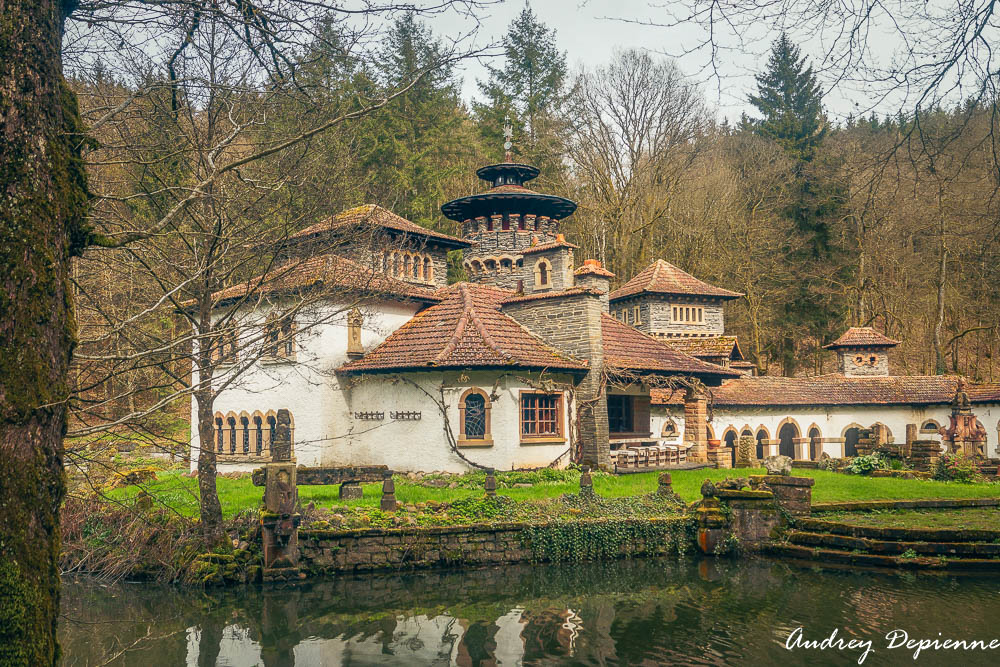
[(506, 219)]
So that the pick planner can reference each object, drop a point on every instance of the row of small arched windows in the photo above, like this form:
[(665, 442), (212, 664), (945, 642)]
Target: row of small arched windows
[(245, 434), (493, 265), (409, 266)]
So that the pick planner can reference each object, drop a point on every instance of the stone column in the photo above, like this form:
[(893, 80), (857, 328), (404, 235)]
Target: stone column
[(802, 449), (746, 452), (279, 521), (696, 425)]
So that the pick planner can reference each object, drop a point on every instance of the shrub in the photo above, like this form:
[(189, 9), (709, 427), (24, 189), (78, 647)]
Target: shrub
[(957, 468), (862, 465)]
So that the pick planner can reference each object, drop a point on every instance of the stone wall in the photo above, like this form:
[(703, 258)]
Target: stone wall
[(848, 367), (335, 551), (572, 324)]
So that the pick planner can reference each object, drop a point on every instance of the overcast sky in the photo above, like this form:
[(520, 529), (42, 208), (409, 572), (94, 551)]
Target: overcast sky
[(590, 30)]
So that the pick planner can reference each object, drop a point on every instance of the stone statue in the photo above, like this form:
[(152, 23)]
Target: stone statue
[(961, 400)]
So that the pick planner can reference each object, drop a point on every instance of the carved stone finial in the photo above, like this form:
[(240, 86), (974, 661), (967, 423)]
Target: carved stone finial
[(508, 136)]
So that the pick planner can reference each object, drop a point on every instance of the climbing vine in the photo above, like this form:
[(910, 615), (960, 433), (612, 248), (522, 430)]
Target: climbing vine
[(593, 540)]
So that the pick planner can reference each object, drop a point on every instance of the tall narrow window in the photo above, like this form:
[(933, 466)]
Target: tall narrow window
[(407, 266), (506, 222), (428, 270), (219, 434), (259, 435), (232, 435), (543, 273), (354, 322), (635, 316), (245, 427)]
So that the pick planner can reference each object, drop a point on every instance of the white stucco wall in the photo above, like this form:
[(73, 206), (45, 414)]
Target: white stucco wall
[(833, 421), (307, 386), (422, 445)]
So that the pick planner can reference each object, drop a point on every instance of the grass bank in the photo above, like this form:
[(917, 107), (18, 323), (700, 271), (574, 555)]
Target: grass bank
[(179, 493)]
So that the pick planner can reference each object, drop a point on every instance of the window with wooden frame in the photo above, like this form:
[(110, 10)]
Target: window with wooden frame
[(474, 419), (688, 314), (636, 315), (620, 414), (629, 415), (541, 417), (280, 339)]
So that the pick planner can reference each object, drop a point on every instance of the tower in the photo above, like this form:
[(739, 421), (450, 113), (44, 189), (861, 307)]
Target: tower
[(863, 352), (506, 220)]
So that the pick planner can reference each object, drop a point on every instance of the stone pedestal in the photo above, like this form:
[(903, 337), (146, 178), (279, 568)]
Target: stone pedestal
[(746, 452), (793, 494), (924, 454), (388, 502), (721, 457), (350, 491)]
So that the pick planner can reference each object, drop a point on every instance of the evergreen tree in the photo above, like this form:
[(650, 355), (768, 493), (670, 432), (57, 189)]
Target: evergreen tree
[(790, 99), (531, 88)]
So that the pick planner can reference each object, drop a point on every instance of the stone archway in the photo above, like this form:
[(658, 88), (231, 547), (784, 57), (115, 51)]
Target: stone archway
[(815, 443), (851, 440), (761, 436), (731, 440), (786, 439)]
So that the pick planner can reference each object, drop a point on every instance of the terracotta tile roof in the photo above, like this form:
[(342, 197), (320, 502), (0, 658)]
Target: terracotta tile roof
[(465, 330), (572, 291), (715, 346), (559, 242), (861, 337), (372, 215), (593, 267), (330, 271), (662, 277), (837, 389), (627, 348)]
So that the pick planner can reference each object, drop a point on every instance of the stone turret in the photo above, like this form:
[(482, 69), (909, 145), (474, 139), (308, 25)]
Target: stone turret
[(863, 352), (594, 276), (547, 266), (505, 221)]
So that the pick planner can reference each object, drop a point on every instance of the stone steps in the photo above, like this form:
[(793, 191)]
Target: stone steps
[(830, 541), (814, 555), (898, 534)]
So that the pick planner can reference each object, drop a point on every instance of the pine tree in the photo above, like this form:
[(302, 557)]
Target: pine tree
[(790, 100), (530, 87)]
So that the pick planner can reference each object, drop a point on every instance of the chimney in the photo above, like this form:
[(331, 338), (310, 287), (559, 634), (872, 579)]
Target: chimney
[(592, 275)]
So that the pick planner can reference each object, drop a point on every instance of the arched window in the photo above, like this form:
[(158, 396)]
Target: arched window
[(474, 418), (930, 426), (232, 435), (490, 265), (407, 266), (219, 434), (258, 428), (786, 439), (428, 270), (272, 426), (506, 265), (543, 273), (669, 429), (245, 428), (851, 441)]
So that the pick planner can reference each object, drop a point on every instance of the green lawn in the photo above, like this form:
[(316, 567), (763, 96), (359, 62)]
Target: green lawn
[(181, 493)]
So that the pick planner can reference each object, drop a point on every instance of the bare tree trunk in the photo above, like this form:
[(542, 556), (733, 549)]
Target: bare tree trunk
[(939, 363), (43, 202)]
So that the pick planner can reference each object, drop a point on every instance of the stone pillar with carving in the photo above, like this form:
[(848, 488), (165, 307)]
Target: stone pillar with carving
[(696, 425), (964, 433), (746, 452), (279, 521)]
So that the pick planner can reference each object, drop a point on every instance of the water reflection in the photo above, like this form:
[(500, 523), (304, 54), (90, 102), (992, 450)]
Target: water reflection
[(628, 612)]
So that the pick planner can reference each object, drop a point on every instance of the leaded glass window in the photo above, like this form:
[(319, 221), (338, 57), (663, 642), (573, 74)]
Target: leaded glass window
[(475, 417)]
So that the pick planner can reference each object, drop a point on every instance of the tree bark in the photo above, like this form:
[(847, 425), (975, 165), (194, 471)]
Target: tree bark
[(43, 201)]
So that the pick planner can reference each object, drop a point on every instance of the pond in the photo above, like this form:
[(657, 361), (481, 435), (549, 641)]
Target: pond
[(650, 612)]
